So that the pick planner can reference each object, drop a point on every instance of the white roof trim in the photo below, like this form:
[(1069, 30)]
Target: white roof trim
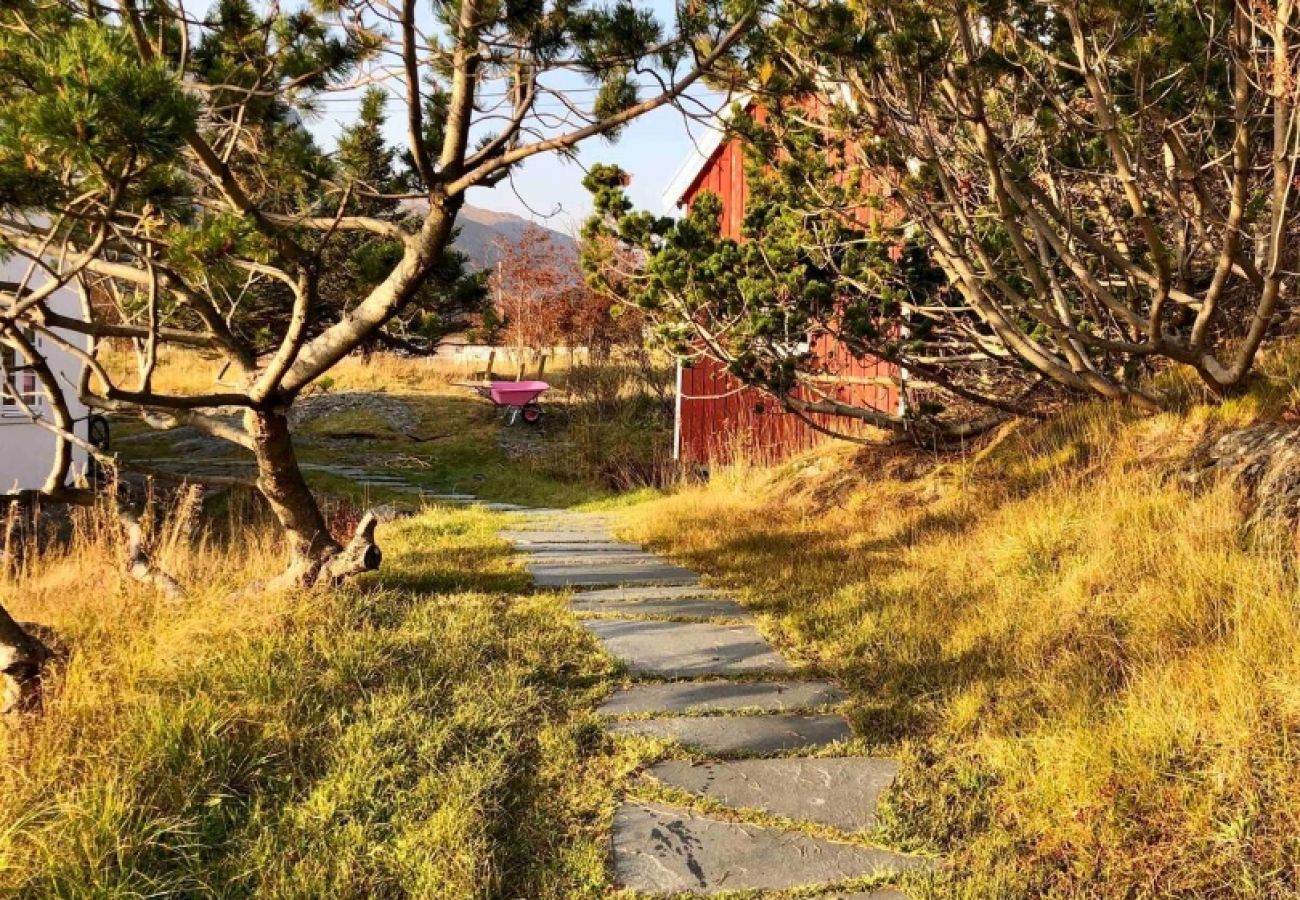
[(702, 151)]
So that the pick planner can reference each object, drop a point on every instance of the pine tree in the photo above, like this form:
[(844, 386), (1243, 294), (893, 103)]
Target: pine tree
[(163, 161)]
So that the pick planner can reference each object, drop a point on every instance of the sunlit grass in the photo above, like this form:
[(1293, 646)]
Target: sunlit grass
[(421, 734), (1088, 666), (192, 372)]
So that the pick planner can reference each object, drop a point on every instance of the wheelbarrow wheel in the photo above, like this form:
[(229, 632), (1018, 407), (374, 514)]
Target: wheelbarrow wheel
[(531, 413)]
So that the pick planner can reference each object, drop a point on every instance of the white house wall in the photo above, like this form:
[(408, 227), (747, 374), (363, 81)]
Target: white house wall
[(27, 449)]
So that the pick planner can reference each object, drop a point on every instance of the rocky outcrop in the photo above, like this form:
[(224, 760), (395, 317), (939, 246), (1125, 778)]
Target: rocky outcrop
[(1265, 461)]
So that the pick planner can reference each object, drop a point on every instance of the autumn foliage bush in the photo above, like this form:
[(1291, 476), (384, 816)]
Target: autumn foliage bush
[(543, 303)]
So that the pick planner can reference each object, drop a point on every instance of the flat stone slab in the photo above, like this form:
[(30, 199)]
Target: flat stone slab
[(662, 849), (501, 507), (686, 649), (541, 548), (741, 734), (547, 536), (591, 574), (721, 696), (686, 608), (841, 792), (648, 592), (561, 517), (600, 555)]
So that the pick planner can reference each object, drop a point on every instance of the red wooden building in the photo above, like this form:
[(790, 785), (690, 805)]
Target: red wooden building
[(718, 418)]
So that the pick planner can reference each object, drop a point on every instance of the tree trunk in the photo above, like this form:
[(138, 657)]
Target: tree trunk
[(282, 484), (21, 660), (314, 554)]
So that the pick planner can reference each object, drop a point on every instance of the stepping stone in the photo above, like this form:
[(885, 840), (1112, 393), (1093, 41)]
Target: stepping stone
[(591, 574), (564, 524), (501, 507), (452, 498), (686, 649), (649, 592), (564, 515), (516, 536), (687, 608), (842, 792), (536, 525), (662, 849), (539, 548), (741, 734), (600, 554), (721, 696)]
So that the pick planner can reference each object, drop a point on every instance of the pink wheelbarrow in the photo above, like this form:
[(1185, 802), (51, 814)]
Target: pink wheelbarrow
[(517, 400)]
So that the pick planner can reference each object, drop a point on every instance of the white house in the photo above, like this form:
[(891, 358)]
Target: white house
[(27, 449)]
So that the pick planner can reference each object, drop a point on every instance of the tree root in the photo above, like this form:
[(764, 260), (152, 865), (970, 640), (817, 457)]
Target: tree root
[(361, 554), (139, 564), (337, 563)]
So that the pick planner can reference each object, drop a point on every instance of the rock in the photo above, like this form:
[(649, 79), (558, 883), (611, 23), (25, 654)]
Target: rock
[(721, 696), (686, 649), (523, 537), (662, 849), (647, 592), (598, 554), (546, 548), (1265, 461), (688, 608), (594, 573), (840, 792), (735, 735), (397, 413)]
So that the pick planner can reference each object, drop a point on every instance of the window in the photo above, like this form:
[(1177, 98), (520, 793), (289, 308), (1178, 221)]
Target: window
[(19, 381)]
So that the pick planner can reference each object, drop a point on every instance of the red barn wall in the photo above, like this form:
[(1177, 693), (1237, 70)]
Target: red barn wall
[(721, 420)]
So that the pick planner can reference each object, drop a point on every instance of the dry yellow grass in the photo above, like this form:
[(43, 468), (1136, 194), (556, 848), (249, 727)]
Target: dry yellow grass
[(183, 372), (1090, 669), (420, 734)]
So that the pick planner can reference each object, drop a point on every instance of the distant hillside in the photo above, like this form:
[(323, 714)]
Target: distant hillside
[(482, 230)]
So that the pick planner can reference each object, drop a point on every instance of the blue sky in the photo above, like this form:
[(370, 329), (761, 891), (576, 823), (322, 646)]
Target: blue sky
[(548, 188)]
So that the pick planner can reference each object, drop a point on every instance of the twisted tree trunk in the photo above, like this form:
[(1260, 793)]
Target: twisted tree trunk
[(314, 555)]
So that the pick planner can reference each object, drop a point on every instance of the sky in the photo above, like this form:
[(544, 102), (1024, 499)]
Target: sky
[(548, 188)]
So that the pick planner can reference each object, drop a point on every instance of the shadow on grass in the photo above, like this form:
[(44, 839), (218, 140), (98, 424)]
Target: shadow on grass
[(839, 603)]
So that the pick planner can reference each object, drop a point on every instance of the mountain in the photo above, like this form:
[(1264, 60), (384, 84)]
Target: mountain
[(483, 230)]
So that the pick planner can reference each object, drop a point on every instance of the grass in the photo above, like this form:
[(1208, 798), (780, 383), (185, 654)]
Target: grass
[(427, 732), (1088, 667), (1086, 663), (192, 372), (423, 733), (605, 437)]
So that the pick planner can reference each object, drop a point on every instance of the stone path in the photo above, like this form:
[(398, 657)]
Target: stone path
[(758, 740)]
